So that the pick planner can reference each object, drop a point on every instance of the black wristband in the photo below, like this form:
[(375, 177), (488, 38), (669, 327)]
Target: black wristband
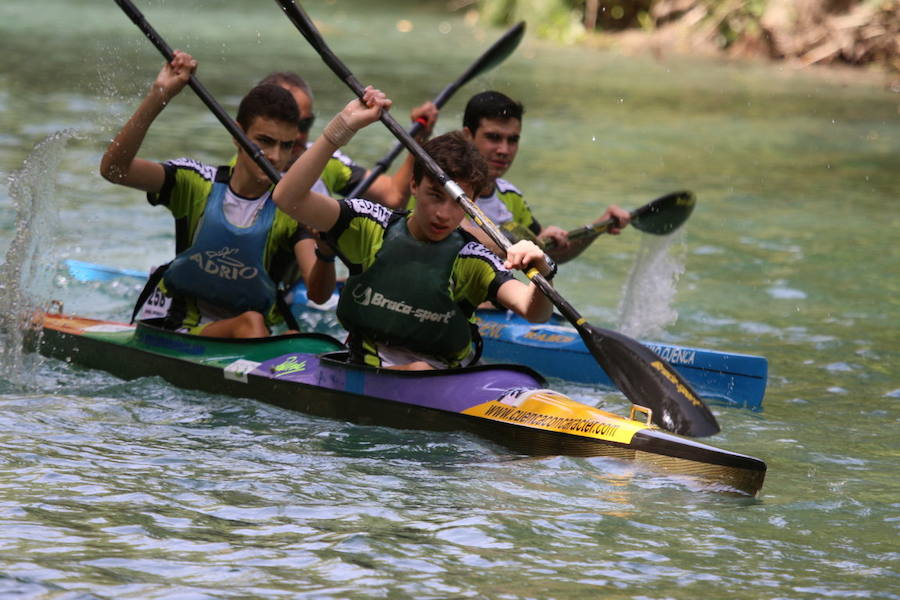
[(323, 257)]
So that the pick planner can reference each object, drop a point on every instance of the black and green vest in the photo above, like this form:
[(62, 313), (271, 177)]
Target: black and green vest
[(403, 299)]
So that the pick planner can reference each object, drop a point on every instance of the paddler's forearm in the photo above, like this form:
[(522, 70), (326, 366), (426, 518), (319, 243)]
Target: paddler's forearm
[(116, 163), (540, 309), (526, 301), (292, 194), (317, 269)]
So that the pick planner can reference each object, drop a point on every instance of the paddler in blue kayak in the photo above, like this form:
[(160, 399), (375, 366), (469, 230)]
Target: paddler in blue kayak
[(493, 122), (415, 279), (228, 232)]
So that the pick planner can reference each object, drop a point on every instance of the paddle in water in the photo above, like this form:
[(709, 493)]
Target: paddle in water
[(492, 57), (659, 217), (645, 378)]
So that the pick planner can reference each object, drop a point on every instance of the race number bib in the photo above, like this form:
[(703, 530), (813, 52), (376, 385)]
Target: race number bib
[(156, 306)]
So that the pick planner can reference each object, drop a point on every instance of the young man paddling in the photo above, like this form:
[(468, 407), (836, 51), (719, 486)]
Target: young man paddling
[(228, 230), (416, 279), (493, 122), (342, 174)]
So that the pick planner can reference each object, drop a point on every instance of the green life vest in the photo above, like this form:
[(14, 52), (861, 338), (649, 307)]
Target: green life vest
[(403, 299)]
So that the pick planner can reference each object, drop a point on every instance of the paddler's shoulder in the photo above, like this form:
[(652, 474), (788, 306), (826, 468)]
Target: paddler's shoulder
[(505, 187)]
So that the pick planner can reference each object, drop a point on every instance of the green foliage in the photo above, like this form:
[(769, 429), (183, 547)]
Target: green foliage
[(552, 19), (735, 19)]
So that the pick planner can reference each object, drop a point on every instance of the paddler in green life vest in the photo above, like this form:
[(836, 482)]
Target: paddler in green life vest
[(228, 231), (493, 122), (415, 279)]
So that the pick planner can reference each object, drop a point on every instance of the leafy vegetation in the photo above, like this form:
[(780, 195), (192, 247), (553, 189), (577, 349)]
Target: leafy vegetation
[(856, 32)]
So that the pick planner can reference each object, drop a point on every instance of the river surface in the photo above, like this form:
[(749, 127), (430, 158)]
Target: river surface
[(113, 489)]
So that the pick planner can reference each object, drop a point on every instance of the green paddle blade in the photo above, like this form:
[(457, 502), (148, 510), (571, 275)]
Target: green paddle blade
[(664, 215), (641, 374)]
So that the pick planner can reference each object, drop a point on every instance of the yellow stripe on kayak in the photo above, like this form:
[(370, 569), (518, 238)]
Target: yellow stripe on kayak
[(552, 411)]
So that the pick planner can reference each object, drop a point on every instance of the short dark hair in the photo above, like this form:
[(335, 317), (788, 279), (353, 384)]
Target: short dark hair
[(490, 105), (459, 159), (287, 78), (269, 101)]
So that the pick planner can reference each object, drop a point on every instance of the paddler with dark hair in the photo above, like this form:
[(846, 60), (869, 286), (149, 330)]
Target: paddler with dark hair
[(493, 122), (415, 279), (228, 232), (342, 174)]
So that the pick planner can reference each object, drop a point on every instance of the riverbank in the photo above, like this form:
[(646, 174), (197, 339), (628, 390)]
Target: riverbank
[(681, 39), (861, 36)]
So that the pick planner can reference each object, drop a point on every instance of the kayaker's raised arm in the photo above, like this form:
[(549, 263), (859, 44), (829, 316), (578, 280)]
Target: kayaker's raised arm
[(293, 193), (119, 164)]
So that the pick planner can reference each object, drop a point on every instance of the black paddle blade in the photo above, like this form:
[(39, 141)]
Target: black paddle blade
[(497, 53), (664, 215), (648, 380)]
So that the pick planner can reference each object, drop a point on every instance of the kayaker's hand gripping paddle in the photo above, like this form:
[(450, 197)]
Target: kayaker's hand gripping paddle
[(659, 217)]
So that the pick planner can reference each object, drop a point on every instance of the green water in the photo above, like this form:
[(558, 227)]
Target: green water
[(136, 490)]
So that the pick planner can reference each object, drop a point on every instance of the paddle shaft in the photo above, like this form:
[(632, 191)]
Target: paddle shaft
[(495, 54), (587, 231), (233, 128)]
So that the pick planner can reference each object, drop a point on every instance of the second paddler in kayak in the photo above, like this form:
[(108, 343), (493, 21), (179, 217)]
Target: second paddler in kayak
[(415, 278)]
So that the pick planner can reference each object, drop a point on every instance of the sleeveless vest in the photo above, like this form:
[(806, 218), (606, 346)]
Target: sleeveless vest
[(403, 298), (224, 265)]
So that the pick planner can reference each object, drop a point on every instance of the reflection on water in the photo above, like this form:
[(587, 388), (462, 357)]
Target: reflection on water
[(137, 490)]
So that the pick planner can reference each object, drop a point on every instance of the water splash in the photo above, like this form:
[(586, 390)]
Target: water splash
[(646, 306), (26, 276)]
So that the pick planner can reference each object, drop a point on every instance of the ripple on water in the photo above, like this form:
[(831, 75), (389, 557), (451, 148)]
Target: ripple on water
[(786, 293)]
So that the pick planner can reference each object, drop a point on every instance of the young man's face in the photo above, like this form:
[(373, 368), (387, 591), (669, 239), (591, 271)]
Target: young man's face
[(275, 139), (498, 142), (436, 214)]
